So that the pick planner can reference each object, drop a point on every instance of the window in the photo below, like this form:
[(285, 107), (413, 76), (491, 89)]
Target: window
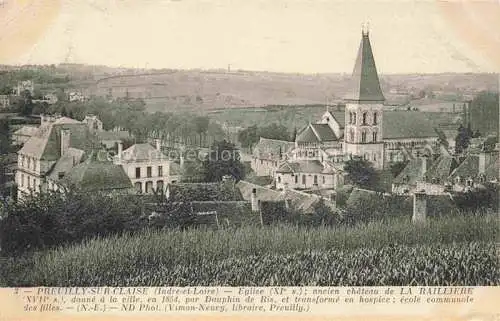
[(137, 172), (304, 179), (364, 118), (279, 179), (296, 179), (22, 179), (261, 161), (138, 187), (375, 118), (350, 118), (374, 134), (374, 156), (160, 170), (149, 187), (316, 179), (351, 135), (29, 162), (159, 186), (324, 180), (363, 136), (354, 118), (28, 181), (149, 172)]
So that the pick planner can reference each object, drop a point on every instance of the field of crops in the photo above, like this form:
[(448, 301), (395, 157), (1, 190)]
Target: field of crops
[(458, 251)]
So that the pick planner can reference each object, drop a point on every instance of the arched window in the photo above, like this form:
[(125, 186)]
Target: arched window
[(354, 118), (375, 118), (149, 187), (364, 118), (138, 187), (363, 136), (159, 186), (374, 134), (351, 135)]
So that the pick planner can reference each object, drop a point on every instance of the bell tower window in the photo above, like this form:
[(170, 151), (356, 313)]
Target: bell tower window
[(364, 118), (375, 118), (374, 136), (363, 136)]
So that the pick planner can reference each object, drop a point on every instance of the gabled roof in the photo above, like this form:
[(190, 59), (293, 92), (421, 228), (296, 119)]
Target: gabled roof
[(142, 152), (303, 166), (97, 174), (412, 173), (404, 124), (45, 144), (324, 132), (270, 148), (66, 163), (442, 168), (365, 84), (307, 136)]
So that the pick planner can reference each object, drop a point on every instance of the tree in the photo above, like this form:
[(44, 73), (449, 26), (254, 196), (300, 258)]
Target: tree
[(361, 173), (248, 137), (323, 215), (274, 131), (397, 167), (201, 126), (462, 139), (26, 103), (223, 159)]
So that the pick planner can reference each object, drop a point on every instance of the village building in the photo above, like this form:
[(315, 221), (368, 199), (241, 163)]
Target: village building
[(365, 129), (4, 101), (21, 136), (147, 167)]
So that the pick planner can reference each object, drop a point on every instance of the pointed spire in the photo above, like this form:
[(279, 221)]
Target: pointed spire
[(365, 84)]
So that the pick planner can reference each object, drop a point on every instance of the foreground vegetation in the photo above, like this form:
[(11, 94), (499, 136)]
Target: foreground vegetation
[(448, 251)]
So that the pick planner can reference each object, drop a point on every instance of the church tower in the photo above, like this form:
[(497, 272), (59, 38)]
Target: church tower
[(364, 109)]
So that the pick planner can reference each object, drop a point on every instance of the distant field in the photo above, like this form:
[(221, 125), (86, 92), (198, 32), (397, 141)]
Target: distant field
[(449, 251)]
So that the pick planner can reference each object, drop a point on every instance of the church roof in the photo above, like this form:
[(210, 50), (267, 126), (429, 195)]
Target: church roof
[(365, 84), (270, 148), (404, 124), (307, 136), (324, 132)]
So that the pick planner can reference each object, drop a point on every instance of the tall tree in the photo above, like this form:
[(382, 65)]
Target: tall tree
[(223, 159), (360, 172), (462, 139)]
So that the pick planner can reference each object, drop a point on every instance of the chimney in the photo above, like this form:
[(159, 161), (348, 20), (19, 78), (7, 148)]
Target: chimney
[(120, 152), (419, 207), (65, 139), (254, 202)]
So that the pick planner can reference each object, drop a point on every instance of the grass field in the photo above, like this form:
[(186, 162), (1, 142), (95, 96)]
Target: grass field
[(452, 251)]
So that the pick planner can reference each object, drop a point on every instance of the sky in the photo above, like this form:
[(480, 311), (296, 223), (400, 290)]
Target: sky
[(303, 36)]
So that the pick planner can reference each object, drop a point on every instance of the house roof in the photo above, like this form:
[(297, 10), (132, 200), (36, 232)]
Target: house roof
[(97, 174), (142, 152), (412, 173), (26, 131), (270, 148), (469, 167), (324, 132), (45, 144), (339, 116), (441, 168), (64, 165), (492, 171), (365, 84), (299, 200)]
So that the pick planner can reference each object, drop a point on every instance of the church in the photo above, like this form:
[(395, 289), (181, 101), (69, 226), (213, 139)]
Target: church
[(363, 129)]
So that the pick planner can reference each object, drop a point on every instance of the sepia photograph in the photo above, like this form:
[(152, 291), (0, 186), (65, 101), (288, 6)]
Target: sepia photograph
[(231, 143)]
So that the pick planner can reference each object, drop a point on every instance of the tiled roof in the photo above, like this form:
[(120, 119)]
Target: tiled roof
[(307, 136), (324, 132), (26, 131), (441, 168), (403, 124), (365, 85), (298, 200), (96, 174), (66, 163), (270, 148), (142, 152), (45, 144), (305, 166), (412, 173), (492, 171)]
